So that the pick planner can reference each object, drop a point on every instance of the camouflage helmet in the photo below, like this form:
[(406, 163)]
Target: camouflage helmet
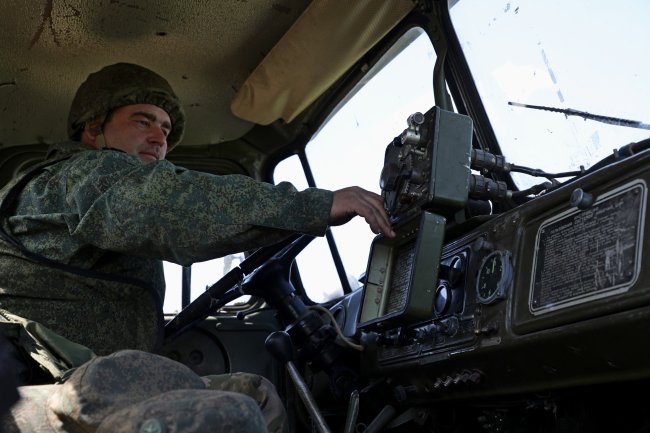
[(123, 84)]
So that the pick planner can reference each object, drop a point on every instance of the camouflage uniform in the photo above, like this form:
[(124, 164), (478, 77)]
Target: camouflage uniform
[(107, 212), (83, 240), (132, 391)]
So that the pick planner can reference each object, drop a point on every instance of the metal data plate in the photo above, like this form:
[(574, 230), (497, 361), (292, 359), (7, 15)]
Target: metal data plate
[(585, 255), (400, 278)]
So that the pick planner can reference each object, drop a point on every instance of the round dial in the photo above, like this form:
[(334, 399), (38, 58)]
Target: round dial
[(494, 277)]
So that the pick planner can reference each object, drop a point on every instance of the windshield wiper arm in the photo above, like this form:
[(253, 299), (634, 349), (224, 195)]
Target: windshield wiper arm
[(597, 117)]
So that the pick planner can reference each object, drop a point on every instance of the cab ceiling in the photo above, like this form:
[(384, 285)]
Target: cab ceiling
[(206, 50)]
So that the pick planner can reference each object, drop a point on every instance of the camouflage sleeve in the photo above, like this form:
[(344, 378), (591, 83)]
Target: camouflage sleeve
[(162, 211)]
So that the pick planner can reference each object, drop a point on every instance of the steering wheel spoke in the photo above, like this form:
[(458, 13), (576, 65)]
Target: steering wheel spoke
[(270, 264)]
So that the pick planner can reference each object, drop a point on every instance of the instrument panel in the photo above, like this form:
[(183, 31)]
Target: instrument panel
[(548, 295)]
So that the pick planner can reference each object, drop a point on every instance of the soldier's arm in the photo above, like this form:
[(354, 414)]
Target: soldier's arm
[(352, 201)]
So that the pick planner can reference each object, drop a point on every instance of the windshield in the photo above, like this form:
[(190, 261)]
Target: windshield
[(529, 55)]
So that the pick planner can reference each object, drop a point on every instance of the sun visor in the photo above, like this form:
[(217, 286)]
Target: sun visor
[(327, 39)]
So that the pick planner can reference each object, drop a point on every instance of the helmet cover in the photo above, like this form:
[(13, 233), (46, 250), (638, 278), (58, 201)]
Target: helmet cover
[(123, 84)]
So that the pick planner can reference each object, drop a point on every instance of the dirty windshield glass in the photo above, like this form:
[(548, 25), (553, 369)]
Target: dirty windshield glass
[(544, 68)]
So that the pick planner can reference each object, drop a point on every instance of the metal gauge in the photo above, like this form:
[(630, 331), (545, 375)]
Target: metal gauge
[(494, 277)]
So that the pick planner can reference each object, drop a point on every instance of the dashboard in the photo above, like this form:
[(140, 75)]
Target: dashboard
[(549, 295)]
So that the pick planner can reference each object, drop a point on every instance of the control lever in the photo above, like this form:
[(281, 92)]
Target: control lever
[(280, 346), (353, 412)]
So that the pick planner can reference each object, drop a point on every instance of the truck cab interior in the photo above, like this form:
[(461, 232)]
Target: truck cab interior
[(509, 140)]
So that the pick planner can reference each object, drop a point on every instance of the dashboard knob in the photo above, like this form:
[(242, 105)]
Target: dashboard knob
[(442, 299), (581, 199)]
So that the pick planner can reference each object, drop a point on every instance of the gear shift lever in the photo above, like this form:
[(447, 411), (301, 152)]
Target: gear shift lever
[(280, 346)]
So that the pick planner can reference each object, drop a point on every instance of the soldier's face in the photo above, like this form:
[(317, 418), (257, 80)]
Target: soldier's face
[(140, 130)]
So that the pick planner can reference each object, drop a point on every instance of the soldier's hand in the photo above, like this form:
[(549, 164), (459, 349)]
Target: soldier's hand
[(352, 201)]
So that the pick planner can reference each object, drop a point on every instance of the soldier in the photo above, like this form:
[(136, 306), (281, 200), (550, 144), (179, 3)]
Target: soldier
[(83, 235)]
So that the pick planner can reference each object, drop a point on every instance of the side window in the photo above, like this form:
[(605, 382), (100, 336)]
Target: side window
[(349, 150), (204, 274)]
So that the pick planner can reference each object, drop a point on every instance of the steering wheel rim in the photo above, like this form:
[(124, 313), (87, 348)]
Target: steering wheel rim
[(281, 254)]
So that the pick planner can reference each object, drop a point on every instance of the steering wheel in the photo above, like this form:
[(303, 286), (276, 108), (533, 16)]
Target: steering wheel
[(265, 273)]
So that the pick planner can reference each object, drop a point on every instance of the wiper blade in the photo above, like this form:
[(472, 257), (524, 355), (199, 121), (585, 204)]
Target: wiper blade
[(586, 115)]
